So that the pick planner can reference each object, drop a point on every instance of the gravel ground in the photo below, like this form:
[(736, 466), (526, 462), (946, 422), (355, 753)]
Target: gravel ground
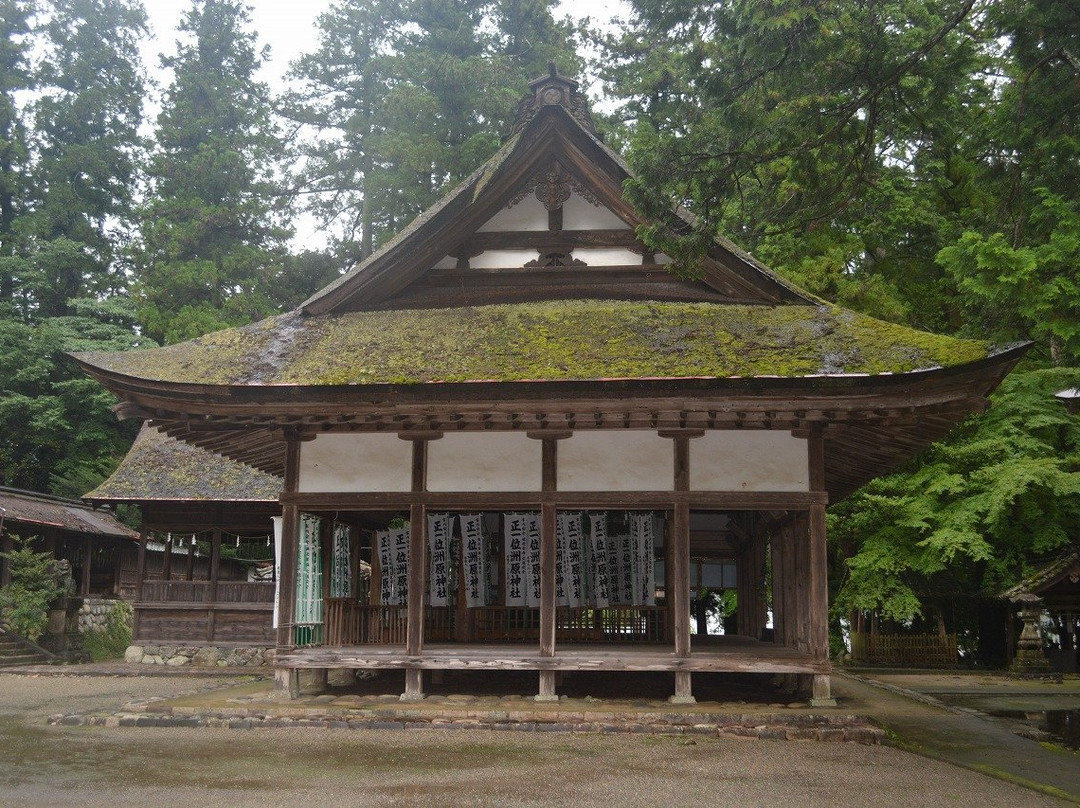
[(42, 765)]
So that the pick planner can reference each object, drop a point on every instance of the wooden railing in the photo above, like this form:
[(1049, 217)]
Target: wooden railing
[(350, 623), (197, 592), (245, 592), (914, 650), (175, 591)]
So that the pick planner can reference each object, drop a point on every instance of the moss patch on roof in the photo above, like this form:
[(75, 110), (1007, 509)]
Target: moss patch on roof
[(551, 341), (158, 467)]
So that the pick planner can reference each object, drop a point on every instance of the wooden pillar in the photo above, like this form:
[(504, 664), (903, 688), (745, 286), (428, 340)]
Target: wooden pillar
[(189, 573), (669, 586), (548, 517), (354, 563), (414, 630), (800, 546), (680, 573), (375, 586), (166, 560), (212, 587), (6, 546), (548, 526), (290, 541), (819, 575), (88, 559), (761, 606), (140, 574)]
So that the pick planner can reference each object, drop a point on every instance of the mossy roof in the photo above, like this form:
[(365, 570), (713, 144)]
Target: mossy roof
[(548, 341), (160, 468)]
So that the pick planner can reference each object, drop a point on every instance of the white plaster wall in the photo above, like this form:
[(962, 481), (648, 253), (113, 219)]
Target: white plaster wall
[(760, 460), (610, 460), (580, 214), (337, 461), (528, 214), (484, 461), (606, 256), (501, 259)]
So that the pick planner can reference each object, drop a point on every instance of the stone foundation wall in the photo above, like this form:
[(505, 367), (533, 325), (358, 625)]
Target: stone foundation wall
[(93, 615), (199, 656)]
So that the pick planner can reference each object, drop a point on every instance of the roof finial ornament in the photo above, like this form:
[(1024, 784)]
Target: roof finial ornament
[(553, 90)]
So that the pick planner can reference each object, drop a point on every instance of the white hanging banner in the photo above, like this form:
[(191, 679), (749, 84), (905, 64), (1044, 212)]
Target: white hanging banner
[(387, 576), (644, 578), (277, 566), (532, 566), (401, 566), (561, 598), (572, 566), (624, 547), (598, 559), (474, 559), (309, 594), (438, 537), (341, 563), (515, 532)]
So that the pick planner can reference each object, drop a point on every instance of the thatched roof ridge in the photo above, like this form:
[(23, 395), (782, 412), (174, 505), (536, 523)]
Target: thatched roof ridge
[(160, 468), (548, 341)]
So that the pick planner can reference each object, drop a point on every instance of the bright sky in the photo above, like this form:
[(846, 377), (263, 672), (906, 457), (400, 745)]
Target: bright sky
[(288, 27)]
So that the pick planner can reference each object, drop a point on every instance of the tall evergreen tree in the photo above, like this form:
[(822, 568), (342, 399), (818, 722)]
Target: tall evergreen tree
[(14, 153), (1015, 263), (86, 148), (65, 192), (212, 235), (823, 136), (403, 100)]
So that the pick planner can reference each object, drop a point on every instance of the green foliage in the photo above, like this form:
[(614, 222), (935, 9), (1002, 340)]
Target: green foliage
[(824, 136), (971, 514), (212, 231), (1026, 291), (404, 100), (24, 603), (116, 637)]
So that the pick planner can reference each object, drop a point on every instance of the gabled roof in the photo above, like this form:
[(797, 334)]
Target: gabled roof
[(554, 150), (1065, 566), (524, 300), (35, 511), (158, 468)]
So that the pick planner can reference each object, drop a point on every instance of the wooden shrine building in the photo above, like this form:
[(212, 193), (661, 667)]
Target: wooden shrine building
[(193, 503), (549, 426), (100, 549)]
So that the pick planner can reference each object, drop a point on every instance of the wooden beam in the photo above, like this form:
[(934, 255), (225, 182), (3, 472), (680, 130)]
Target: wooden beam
[(577, 500)]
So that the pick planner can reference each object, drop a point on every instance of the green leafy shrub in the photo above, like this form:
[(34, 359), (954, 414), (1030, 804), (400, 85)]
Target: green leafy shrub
[(114, 640), (24, 603)]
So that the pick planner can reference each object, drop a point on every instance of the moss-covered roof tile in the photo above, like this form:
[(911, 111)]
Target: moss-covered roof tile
[(550, 341), (158, 467)]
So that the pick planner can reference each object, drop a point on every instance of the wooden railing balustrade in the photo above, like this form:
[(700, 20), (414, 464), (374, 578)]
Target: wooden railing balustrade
[(350, 623), (915, 650), (198, 592)]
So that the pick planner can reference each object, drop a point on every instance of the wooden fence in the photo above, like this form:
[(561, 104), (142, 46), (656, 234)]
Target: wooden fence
[(180, 611), (907, 650)]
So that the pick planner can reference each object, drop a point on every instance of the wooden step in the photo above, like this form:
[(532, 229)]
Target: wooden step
[(14, 660)]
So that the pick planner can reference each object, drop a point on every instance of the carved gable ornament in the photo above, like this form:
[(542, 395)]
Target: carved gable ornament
[(553, 90)]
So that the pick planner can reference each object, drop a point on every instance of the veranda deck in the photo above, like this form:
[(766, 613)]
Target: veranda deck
[(726, 654)]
